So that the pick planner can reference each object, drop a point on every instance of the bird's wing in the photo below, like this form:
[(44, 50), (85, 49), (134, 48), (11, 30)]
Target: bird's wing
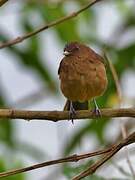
[(60, 66), (84, 66), (66, 66), (95, 56), (99, 58)]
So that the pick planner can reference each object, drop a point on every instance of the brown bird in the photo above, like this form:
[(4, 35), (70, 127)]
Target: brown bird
[(82, 77)]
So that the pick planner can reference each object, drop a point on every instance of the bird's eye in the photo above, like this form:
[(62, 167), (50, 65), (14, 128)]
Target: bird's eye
[(71, 47)]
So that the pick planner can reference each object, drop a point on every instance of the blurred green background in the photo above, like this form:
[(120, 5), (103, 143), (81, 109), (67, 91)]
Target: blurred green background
[(108, 24)]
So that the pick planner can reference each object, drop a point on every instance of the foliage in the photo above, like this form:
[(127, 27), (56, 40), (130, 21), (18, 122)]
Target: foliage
[(3, 167), (83, 28)]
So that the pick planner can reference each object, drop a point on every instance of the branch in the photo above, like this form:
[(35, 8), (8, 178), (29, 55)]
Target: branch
[(73, 158), (54, 23), (115, 78), (64, 115), (2, 2), (129, 140), (119, 93)]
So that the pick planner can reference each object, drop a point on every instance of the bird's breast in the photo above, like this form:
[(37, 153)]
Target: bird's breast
[(81, 81)]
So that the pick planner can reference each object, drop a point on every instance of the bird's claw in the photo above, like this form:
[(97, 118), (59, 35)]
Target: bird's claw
[(96, 112), (72, 113)]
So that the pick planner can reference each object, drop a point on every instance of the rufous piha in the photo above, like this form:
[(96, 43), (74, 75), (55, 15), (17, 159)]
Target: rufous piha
[(82, 76)]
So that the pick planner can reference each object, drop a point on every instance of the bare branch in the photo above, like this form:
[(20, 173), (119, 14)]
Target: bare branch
[(115, 78), (119, 93), (2, 2), (73, 158), (64, 115), (54, 23), (129, 140)]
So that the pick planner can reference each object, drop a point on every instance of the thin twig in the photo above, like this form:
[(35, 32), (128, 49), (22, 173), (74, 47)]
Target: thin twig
[(54, 23), (2, 2), (119, 94), (115, 77), (129, 140), (124, 134), (64, 115), (73, 158)]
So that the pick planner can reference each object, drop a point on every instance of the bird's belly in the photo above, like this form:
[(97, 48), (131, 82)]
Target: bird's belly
[(95, 88), (83, 89), (73, 90)]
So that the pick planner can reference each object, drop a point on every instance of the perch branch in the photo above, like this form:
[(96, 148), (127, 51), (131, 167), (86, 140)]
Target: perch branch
[(2, 2), (64, 115), (54, 23)]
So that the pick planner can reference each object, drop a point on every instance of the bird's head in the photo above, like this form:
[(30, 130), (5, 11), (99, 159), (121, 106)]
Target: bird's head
[(82, 51), (71, 48)]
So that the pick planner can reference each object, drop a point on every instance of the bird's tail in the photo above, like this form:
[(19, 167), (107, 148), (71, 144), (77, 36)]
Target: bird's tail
[(77, 105)]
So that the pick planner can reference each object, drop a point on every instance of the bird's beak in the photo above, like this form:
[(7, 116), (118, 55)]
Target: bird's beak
[(66, 53)]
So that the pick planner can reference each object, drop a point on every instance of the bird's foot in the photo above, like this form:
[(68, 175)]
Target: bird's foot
[(96, 110), (72, 113)]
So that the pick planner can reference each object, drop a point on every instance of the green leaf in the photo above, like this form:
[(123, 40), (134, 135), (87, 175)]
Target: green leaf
[(4, 168), (6, 128)]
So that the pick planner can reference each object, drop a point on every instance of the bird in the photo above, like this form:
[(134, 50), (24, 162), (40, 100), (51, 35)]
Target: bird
[(83, 77)]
